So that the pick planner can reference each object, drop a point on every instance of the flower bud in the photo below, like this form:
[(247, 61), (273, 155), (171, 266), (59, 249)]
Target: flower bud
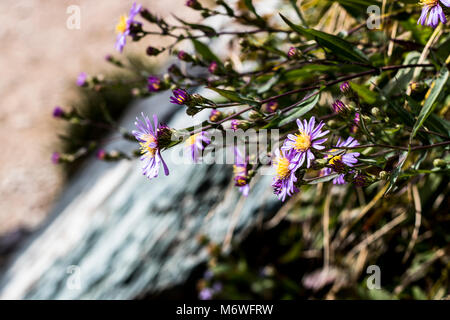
[(58, 112), (213, 66), (383, 175), (194, 4), (439, 163), (215, 115), (101, 154), (56, 157), (375, 111), (339, 107), (270, 107), (152, 51), (292, 52)]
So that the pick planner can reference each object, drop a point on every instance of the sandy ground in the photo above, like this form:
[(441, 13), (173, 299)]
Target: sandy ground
[(40, 59)]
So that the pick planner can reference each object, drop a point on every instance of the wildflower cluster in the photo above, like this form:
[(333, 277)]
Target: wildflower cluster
[(336, 105)]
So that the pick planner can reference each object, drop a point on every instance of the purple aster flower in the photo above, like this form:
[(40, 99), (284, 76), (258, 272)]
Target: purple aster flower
[(215, 115), (56, 156), (355, 125), (148, 137), (123, 27), (154, 84), (101, 154), (196, 143), (302, 142), (206, 294), (292, 52), (180, 96), (240, 170), (212, 68), (81, 80), (285, 166), (58, 112), (338, 158), (234, 124), (432, 12), (345, 87), (270, 107), (339, 107)]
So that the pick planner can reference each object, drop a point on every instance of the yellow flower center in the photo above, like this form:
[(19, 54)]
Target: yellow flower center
[(191, 140), (334, 158), (145, 146), (302, 141), (429, 3), (282, 167), (121, 27)]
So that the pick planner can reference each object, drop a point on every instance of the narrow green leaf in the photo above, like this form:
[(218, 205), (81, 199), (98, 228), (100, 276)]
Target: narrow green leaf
[(234, 96), (206, 29), (336, 45), (251, 7), (300, 110), (429, 104), (204, 51), (324, 178)]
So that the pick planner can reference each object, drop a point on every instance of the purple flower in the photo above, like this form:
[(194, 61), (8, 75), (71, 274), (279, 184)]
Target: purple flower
[(58, 112), (285, 166), (292, 52), (180, 96), (270, 107), (432, 12), (212, 68), (55, 157), (182, 55), (206, 294), (196, 143), (234, 124), (101, 154), (345, 87), (148, 137), (301, 143), (154, 84), (123, 27), (240, 170), (339, 107), (81, 80), (215, 115), (339, 157)]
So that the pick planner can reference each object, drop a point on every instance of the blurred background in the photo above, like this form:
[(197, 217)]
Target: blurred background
[(41, 58), (101, 230)]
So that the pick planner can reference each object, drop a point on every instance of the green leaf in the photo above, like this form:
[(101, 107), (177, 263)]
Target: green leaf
[(299, 13), (365, 93), (204, 51), (429, 104), (403, 76), (324, 178), (251, 7), (336, 45), (207, 30), (234, 96), (301, 109)]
